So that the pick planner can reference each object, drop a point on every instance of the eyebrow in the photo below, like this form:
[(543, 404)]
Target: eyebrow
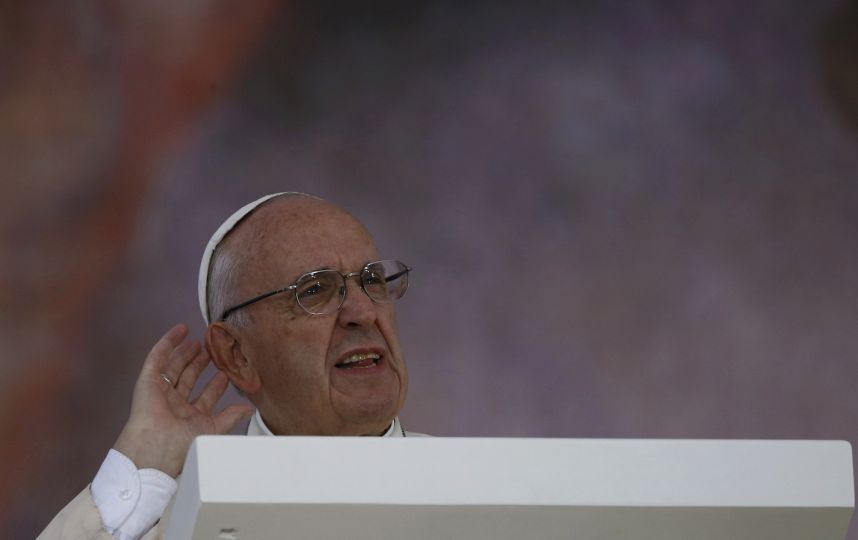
[(315, 270)]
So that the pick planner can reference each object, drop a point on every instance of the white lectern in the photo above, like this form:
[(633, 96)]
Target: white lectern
[(254, 488)]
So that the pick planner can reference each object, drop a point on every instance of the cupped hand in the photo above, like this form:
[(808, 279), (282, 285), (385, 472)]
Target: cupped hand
[(164, 420)]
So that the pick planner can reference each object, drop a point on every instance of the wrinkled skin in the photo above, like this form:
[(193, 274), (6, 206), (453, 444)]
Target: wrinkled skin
[(164, 420), (284, 359)]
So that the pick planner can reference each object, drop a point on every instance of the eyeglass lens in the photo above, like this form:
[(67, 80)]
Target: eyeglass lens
[(324, 291)]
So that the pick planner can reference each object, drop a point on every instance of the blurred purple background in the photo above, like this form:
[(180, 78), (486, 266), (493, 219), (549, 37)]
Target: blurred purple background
[(626, 219)]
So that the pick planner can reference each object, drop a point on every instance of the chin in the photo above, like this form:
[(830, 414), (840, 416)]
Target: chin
[(371, 416)]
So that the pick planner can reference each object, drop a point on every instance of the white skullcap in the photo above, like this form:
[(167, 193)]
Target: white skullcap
[(217, 238)]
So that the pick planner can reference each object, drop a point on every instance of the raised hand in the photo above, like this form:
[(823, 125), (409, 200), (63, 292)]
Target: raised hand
[(163, 421)]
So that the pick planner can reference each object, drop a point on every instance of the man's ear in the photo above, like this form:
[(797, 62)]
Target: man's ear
[(224, 346)]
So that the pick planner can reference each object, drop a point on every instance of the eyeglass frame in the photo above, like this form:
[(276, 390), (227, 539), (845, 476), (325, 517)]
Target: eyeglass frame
[(346, 277)]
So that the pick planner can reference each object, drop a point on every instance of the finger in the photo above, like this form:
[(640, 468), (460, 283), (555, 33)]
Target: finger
[(227, 419), (213, 391), (179, 359), (160, 352), (192, 372)]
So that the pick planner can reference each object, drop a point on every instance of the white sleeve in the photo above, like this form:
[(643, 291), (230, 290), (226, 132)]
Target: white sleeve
[(129, 500)]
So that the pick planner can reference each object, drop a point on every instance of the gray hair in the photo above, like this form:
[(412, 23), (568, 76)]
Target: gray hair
[(224, 280)]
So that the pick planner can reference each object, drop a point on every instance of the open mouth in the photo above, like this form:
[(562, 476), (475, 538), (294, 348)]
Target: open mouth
[(359, 361)]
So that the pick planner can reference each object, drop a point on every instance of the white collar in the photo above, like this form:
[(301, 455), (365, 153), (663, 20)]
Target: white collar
[(257, 427)]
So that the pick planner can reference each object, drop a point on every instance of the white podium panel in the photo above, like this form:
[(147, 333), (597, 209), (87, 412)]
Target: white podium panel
[(360, 488)]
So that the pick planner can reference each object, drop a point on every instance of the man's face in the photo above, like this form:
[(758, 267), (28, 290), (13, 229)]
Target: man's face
[(305, 388)]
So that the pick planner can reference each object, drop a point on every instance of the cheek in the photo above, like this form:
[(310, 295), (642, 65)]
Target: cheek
[(387, 325), (388, 318), (294, 359)]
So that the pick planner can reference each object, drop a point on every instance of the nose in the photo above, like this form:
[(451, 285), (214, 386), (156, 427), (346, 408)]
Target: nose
[(357, 309)]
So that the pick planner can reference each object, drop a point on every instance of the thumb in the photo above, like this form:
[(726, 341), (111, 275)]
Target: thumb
[(225, 420)]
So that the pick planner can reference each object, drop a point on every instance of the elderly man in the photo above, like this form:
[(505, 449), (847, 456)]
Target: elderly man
[(301, 321)]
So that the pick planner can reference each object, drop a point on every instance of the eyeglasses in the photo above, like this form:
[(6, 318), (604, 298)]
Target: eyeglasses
[(324, 291)]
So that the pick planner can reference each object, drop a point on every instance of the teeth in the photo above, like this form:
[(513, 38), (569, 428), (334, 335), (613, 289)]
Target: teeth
[(358, 357)]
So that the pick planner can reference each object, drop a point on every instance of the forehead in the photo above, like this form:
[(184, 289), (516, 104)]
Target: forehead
[(288, 237)]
